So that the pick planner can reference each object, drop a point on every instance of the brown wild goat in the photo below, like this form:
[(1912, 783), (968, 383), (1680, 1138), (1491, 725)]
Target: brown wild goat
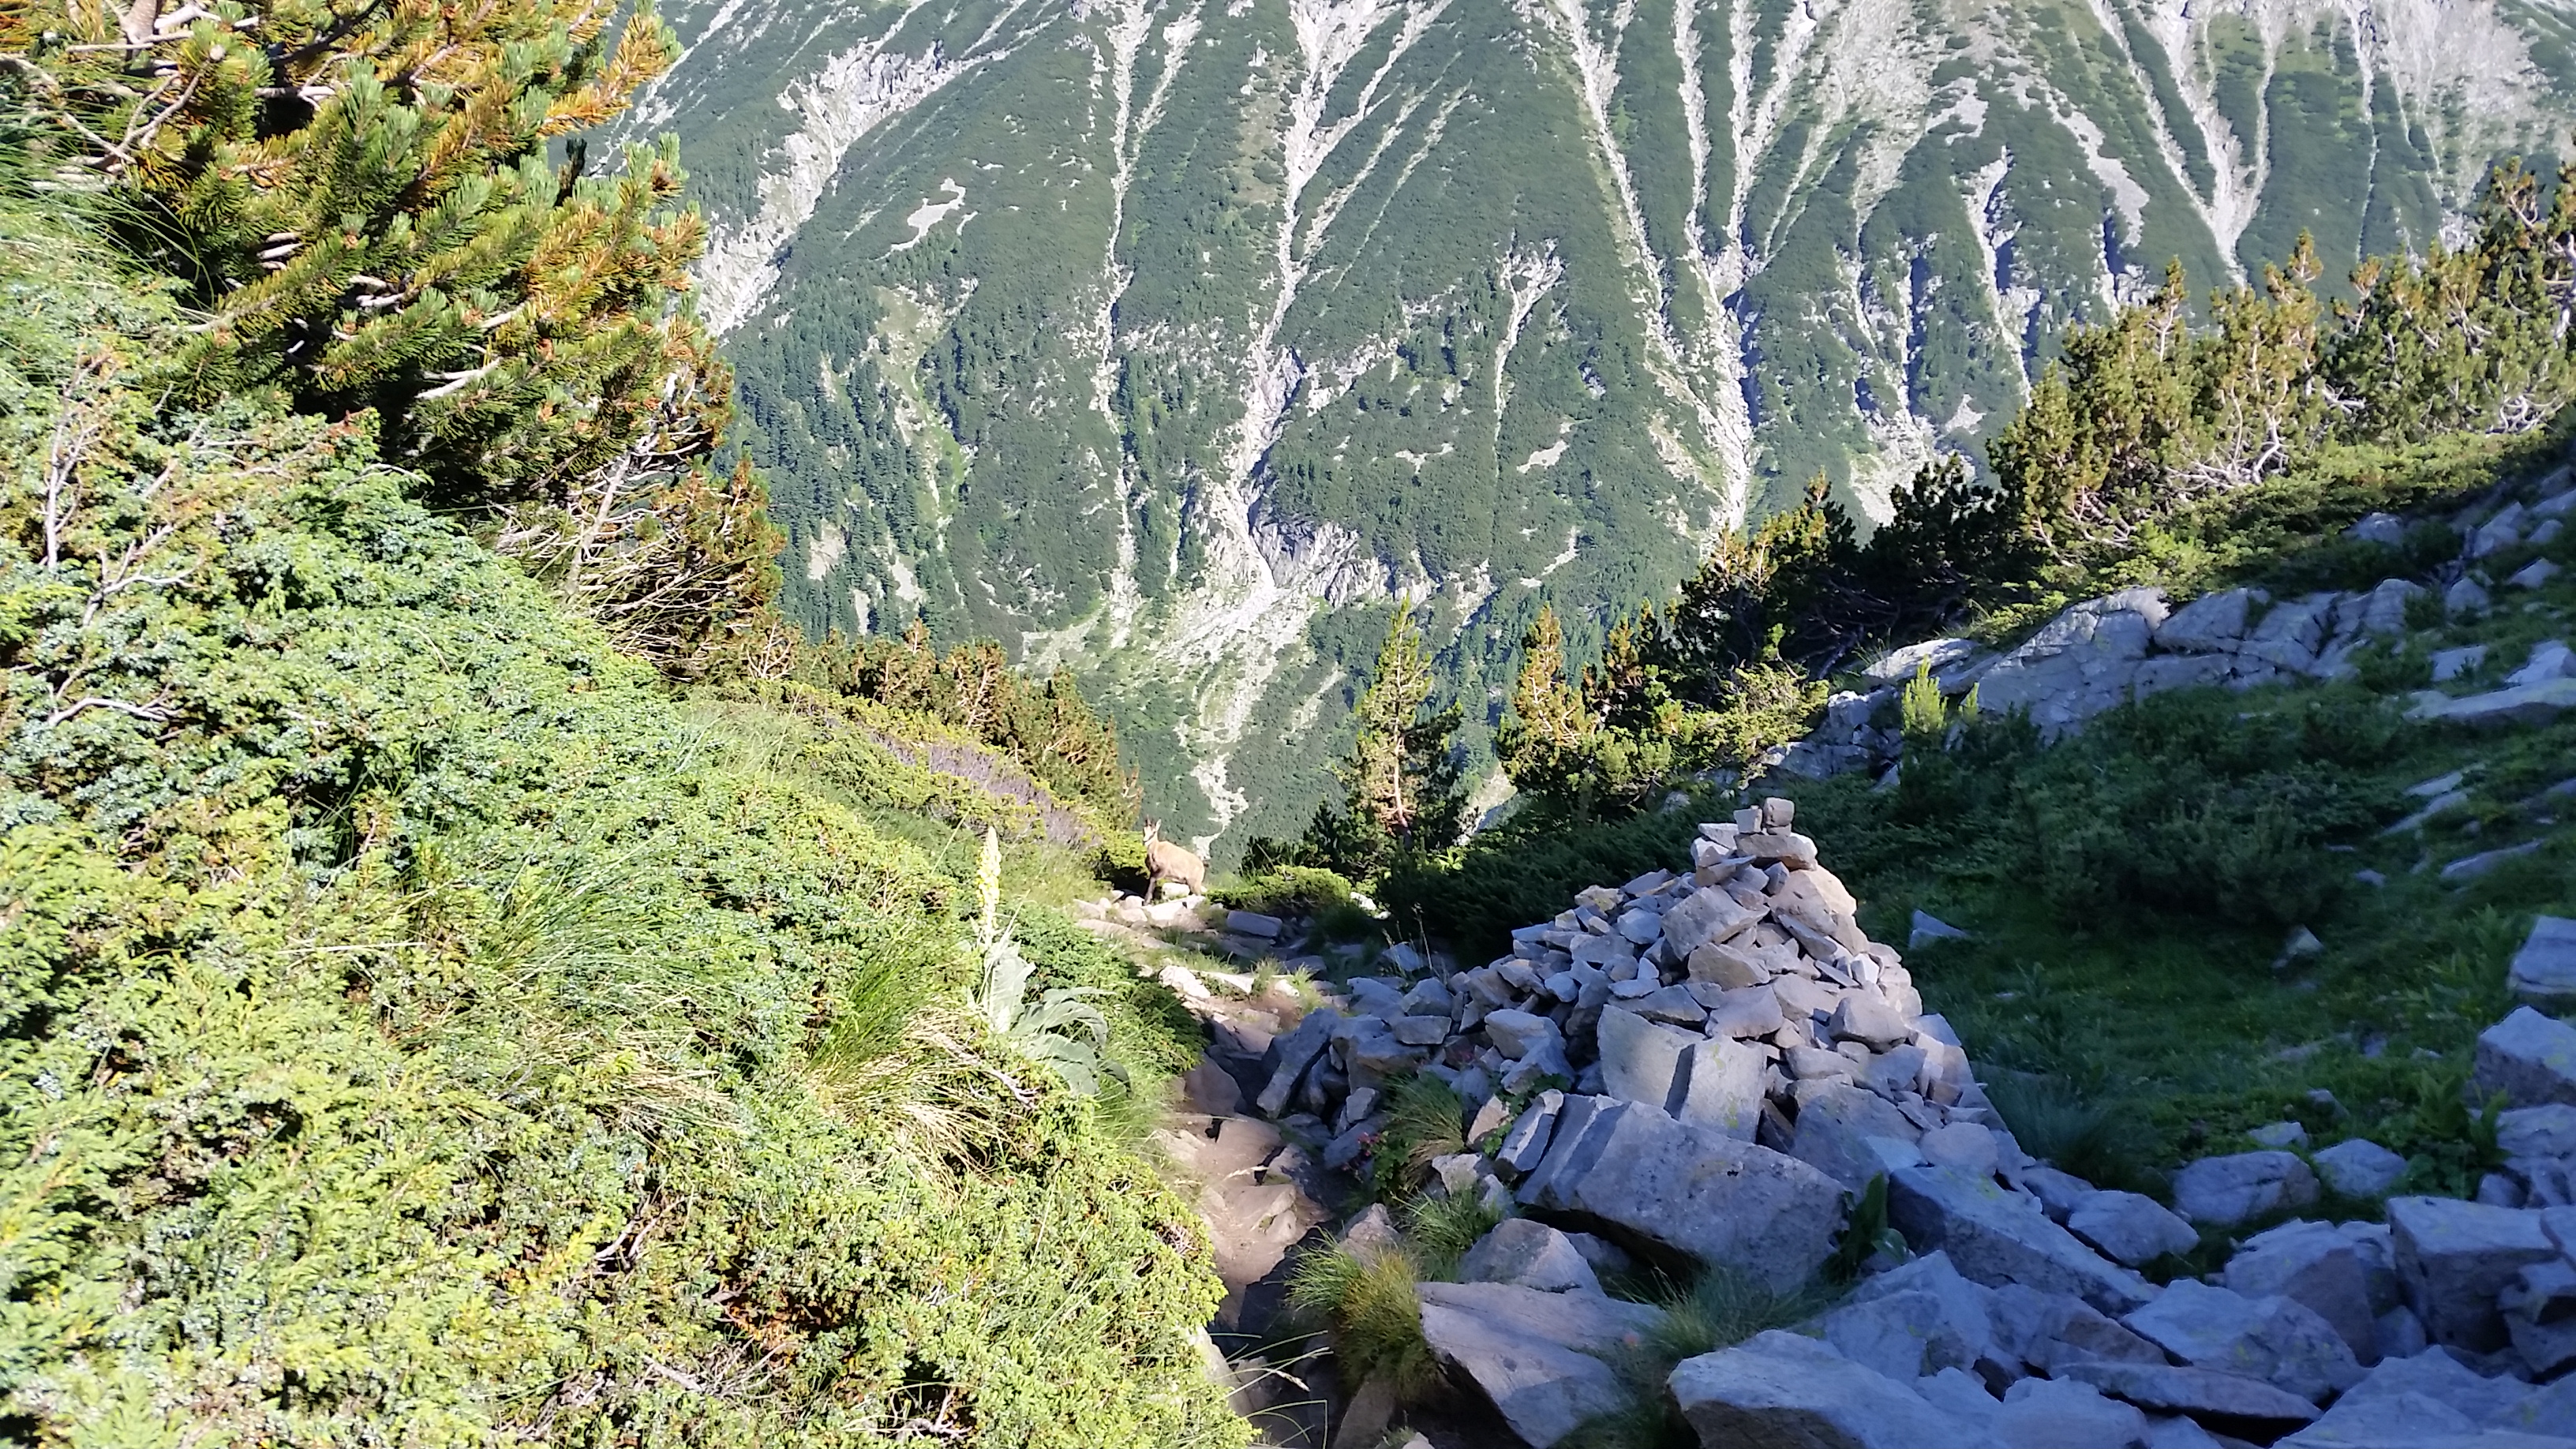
[(1165, 861)]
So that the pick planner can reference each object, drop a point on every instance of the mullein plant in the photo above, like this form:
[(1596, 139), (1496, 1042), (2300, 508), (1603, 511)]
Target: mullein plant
[(1061, 1031)]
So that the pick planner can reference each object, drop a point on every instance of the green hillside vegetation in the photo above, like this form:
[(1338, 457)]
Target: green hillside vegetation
[(467, 975)]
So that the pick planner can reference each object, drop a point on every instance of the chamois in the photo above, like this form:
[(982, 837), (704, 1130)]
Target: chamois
[(1165, 861)]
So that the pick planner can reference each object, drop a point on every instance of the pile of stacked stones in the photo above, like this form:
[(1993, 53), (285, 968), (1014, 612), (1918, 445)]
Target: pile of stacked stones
[(1743, 1062), (2105, 652)]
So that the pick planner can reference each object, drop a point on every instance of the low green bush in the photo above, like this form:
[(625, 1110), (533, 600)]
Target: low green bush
[(1286, 890)]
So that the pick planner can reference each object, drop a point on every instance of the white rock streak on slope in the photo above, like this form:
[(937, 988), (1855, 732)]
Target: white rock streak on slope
[(1527, 275), (1259, 591), (1726, 440), (1126, 37), (854, 93)]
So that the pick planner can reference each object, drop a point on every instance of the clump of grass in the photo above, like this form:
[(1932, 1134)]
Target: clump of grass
[(2099, 1141), (1425, 1118), (1367, 1296), (1441, 1228), (1717, 1310)]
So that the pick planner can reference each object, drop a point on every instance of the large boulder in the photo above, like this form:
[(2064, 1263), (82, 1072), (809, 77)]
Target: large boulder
[(1537, 1357), (2220, 1192), (1778, 1390), (2529, 1057), (2454, 1257), (1996, 1237), (2429, 1401), (2273, 1339), (2341, 1276), (2359, 1168), (1760, 1214), (2210, 623)]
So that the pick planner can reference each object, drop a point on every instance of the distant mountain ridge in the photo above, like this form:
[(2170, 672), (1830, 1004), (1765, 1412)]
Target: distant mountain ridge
[(1172, 340)]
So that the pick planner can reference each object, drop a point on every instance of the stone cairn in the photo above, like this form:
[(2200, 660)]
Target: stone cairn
[(1743, 1062)]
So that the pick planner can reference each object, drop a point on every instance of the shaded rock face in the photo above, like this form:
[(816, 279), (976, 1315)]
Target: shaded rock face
[(1996, 1237), (1537, 1357)]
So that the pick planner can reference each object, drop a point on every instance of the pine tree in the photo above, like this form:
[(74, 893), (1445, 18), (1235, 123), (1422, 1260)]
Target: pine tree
[(1548, 741), (362, 204), (1401, 793)]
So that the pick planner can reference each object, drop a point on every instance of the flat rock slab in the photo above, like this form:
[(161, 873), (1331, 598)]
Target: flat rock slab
[(2202, 1393), (2359, 1168), (2131, 1228), (1779, 1390), (1759, 1213), (1533, 1355), (1995, 1237), (2527, 704), (2340, 1277)]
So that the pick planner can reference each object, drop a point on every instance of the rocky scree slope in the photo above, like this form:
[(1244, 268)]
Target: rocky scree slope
[(1168, 338), (1710, 1069), (2513, 558)]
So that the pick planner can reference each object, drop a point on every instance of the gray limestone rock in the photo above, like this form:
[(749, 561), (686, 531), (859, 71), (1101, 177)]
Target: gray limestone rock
[(2435, 1375), (1966, 1314), (2359, 1168), (2210, 623), (1960, 1393), (2539, 1307), (1927, 928), (2450, 664), (1526, 1143), (2132, 1229), (2544, 970), (2528, 704), (2058, 1192), (2454, 1257), (1517, 1033), (1995, 1237), (1862, 1017), (1291, 1054), (2326, 1268), (2465, 597), (2205, 1394), (1530, 1254), (2220, 1192), (1640, 1060), (1778, 1390), (2544, 1131), (2529, 1057), (1718, 1086), (1537, 1357), (1850, 1135), (1705, 916), (1758, 1213), (1963, 1145), (2066, 1414), (1903, 1335), (2274, 1339), (2050, 1330), (1744, 1013)]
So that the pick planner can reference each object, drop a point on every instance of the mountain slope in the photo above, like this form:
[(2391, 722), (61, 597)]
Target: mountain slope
[(1172, 340)]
